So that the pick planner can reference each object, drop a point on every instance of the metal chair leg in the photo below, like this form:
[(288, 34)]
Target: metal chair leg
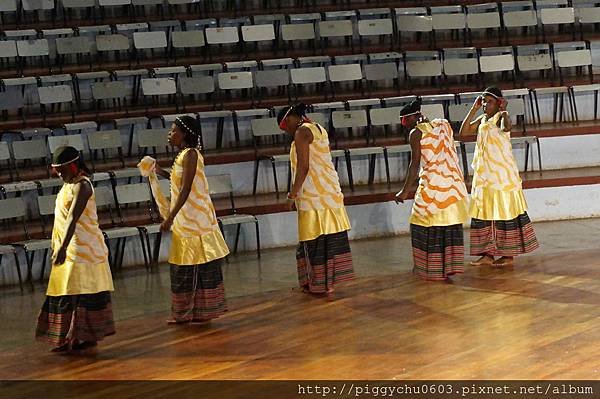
[(257, 239)]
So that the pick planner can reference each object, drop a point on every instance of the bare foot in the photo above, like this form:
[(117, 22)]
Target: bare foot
[(174, 321), (485, 260), (504, 261)]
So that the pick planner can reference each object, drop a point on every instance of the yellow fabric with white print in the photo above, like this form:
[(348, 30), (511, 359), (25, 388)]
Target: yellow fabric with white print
[(196, 237), (320, 202), (86, 269), (496, 192)]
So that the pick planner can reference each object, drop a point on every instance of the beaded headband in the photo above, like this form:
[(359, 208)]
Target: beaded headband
[(182, 124), (56, 165)]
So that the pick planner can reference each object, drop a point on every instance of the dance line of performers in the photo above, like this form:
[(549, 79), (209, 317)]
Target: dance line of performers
[(77, 311)]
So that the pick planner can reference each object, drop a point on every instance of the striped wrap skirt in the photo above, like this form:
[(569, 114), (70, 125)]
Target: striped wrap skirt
[(84, 317), (503, 237), (438, 251), (324, 262), (197, 292)]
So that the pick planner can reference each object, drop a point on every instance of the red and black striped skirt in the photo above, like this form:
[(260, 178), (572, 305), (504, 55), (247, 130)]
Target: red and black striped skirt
[(438, 251), (503, 237), (197, 292), (84, 317), (324, 262)]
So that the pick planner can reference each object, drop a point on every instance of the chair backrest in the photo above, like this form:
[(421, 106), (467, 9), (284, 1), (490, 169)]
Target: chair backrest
[(158, 86), (344, 73), (262, 127), (568, 57), (340, 28), (257, 33), (272, 78), (148, 138), (497, 63), (196, 85), (46, 204), (223, 35), (308, 75), (73, 140), (587, 12), (235, 80), (104, 196), (519, 14), (8, 49), (483, 17), (385, 116), (375, 27), (298, 32), (12, 100), (460, 61), (4, 151), (349, 119), (55, 94), (458, 112), (383, 71), (29, 149), (187, 39), (448, 17), (319, 118), (413, 20), (149, 40), (516, 106), (33, 48), (219, 184), (104, 139), (534, 57), (132, 193), (433, 111), (12, 208), (551, 12), (115, 42), (73, 45), (424, 68), (108, 90)]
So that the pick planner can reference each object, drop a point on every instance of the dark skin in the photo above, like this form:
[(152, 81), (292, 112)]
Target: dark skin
[(82, 191), (302, 139), (491, 106), (415, 158), (190, 161)]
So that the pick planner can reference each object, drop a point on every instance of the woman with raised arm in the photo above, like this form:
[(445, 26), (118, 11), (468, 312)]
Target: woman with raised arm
[(77, 311), (500, 226), (441, 204), (197, 245), (323, 255)]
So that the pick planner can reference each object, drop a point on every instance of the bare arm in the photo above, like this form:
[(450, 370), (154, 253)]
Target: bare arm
[(161, 172), (505, 123), (302, 138), (414, 166), (470, 126), (190, 161), (82, 192)]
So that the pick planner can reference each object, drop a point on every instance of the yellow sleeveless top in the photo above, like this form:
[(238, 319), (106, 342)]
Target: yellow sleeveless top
[(320, 202), (496, 192), (196, 237), (441, 198), (86, 269)]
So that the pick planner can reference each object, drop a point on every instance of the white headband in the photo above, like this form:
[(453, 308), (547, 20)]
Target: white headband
[(490, 94), (56, 165)]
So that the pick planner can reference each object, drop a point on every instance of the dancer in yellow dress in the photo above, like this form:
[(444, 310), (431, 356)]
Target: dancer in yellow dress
[(77, 311), (197, 245), (323, 255), (441, 203), (500, 226)]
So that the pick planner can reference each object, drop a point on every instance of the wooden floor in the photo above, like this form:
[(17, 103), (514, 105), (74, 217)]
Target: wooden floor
[(537, 320)]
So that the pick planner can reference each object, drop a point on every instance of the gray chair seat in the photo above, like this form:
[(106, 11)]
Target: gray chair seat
[(281, 158), (7, 249), (237, 219), (35, 245), (126, 173), (121, 232), (151, 228)]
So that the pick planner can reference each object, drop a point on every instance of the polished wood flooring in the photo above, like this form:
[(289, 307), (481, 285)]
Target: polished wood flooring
[(537, 320)]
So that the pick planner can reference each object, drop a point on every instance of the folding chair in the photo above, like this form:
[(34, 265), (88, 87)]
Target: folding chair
[(5, 157), (156, 87), (55, 96), (594, 89), (187, 41), (376, 28), (28, 150), (450, 18), (559, 114), (350, 120), (31, 49), (461, 62), (292, 33), (337, 29), (79, 47), (415, 22), (220, 185), (153, 140), (587, 13), (264, 129), (519, 15), (227, 35), (149, 41), (229, 81), (388, 118), (115, 44), (555, 12), (535, 58), (573, 55), (422, 64), (345, 73), (11, 210), (258, 33), (497, 60), (483, 17), (104, 141)]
